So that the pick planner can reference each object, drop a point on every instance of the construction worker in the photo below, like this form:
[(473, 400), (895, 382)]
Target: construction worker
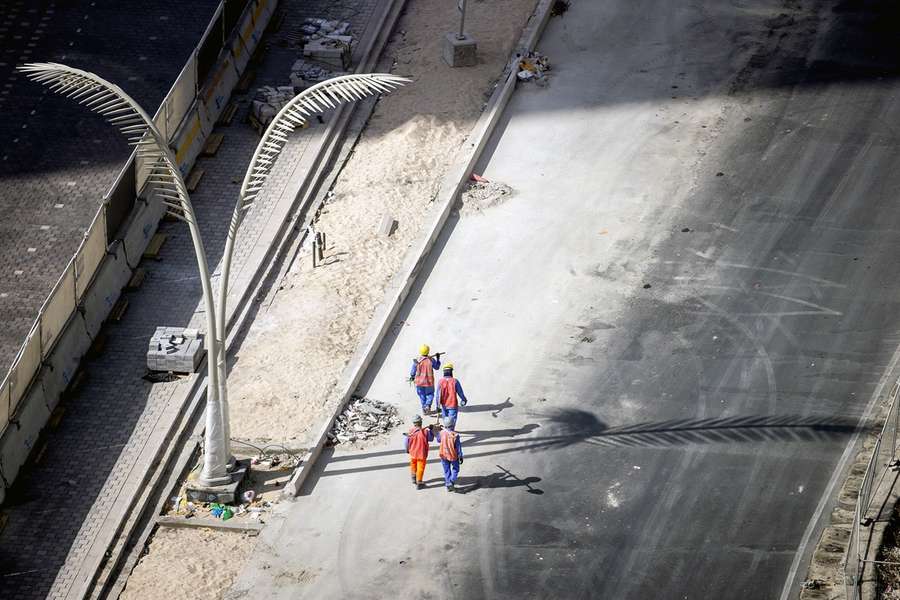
[(451, 453), (450, 394), (422, 374), (417, 446)]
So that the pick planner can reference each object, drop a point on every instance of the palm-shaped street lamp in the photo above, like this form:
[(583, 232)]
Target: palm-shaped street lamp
[(315, 99), (166, 181), (124, 112)]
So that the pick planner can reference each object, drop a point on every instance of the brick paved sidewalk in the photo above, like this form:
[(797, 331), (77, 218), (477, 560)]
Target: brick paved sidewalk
[(57, 159), (60, 506)]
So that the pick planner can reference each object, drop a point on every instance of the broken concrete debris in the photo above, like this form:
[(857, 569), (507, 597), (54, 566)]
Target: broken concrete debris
[(482, 194), (327, 41), (268, 101), (363, 418), (305, 73), (533, 67)]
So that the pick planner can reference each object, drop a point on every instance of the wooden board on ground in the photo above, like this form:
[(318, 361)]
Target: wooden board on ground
[(137, 279), (194, 178), (155, 245), (212, 144), (228, 113), (118, 309), (252, 527), (245, 81)]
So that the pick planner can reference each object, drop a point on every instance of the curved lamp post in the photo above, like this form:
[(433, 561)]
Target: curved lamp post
[(125, 113), (315, 99), (121, 110)]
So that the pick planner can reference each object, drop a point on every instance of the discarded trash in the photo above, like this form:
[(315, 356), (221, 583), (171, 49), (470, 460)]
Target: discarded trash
[(533, 66), (478, 178), (227, 513), (248, 496), (481, 195), (364, 418)]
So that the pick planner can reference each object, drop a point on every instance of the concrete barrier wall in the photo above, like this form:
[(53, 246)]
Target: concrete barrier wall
[(92, 282)]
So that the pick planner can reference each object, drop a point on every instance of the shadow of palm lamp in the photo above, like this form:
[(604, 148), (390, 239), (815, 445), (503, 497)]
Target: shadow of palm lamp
[(165, 180), (316, 99)]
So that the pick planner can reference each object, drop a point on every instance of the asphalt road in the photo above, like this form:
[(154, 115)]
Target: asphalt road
[(669, 335)]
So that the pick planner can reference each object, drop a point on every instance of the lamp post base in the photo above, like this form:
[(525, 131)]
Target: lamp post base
[(223, 493), (459, 52)]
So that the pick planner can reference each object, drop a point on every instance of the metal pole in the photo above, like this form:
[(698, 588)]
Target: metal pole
[(461, 4)]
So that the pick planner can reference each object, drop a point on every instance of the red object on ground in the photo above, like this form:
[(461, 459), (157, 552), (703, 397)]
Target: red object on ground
[(478, 178)]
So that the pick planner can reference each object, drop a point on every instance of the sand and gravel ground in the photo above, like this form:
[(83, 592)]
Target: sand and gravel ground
[(287, 368)]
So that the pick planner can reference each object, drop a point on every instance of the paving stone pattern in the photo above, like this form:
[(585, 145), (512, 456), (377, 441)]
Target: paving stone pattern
[(57, 160), (60, 504)]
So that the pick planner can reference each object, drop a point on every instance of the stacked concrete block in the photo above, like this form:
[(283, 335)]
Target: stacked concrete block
[(175, 349)]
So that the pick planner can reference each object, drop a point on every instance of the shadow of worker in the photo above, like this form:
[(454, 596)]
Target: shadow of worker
[(501, 479)]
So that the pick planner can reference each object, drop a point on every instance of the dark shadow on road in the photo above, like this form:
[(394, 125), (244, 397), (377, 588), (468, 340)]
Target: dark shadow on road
[(502, 479), (582, 427)]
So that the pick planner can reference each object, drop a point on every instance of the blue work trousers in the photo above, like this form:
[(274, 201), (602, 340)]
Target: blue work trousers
[(426, 396), (450, 412), (451, 471)]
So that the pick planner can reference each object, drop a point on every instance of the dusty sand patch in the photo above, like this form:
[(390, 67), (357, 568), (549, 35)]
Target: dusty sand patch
[(188, 564)]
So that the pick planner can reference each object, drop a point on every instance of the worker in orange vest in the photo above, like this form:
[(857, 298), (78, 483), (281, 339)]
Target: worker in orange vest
[(417, 441), (451, 453), (450, 394), (422, 374)]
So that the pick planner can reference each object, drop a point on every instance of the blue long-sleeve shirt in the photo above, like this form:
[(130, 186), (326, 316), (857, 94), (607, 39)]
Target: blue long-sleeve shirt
[(435, 364), (457, 444), (459, 394)]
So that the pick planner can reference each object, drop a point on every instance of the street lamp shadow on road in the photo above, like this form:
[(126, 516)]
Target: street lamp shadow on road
[(576, 426)]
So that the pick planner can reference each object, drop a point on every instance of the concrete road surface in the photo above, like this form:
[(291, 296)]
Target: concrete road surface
[(669, 335)]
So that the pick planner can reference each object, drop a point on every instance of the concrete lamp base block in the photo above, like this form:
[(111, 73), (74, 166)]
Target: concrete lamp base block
[(226, 493), (459, 52)]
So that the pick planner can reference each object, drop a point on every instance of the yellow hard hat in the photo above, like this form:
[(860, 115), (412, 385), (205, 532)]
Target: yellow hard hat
[(424, 350), (448, 367)]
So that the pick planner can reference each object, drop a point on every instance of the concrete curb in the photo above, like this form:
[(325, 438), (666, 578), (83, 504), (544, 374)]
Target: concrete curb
[(401, 284)]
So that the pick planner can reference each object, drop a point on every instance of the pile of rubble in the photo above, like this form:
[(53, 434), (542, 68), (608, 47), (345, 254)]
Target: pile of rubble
[(363, 419), (268, 101), (482, 194), (533, 67), (327, 41), (316, 29), (305, 73)]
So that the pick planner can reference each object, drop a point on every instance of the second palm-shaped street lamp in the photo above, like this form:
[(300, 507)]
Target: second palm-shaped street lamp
[(166, 181), (314, 99)]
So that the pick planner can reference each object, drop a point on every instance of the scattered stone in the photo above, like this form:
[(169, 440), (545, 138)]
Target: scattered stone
[(647, 286), (363, 419), (484, 194)]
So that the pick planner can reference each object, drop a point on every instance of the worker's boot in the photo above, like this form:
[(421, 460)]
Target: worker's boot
[(420, 486), (451, 488), (414, 479)]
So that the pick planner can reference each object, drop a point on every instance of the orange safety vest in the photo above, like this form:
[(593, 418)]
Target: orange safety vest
[(418, 443), (448, 392), (424, 373), (448, 445)]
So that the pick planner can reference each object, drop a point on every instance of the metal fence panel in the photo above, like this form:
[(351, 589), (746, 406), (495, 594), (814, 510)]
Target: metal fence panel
[(90, 254), (120, 199), (24, 367), (58, 308), (180, 99), (4, 403)]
